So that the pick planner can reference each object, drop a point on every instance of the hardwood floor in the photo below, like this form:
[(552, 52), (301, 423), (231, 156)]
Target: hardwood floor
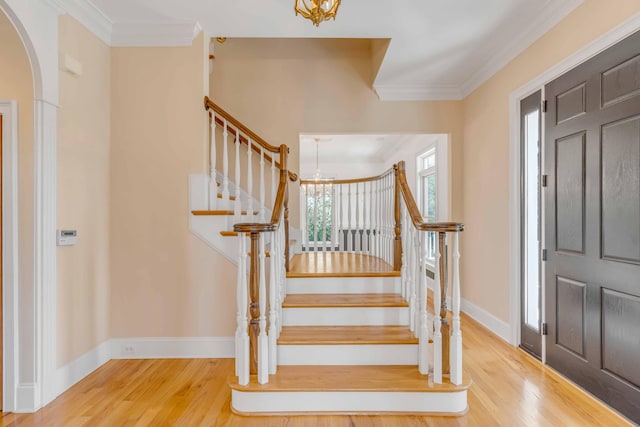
[(338, 264), (509, 388)]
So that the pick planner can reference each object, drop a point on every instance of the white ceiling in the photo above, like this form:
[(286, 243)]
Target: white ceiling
[(438, 50)]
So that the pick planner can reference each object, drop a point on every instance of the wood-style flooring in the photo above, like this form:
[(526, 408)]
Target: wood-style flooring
[(509, 388)]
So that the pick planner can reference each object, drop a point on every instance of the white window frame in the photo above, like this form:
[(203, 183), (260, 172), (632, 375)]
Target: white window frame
[(439, 145)]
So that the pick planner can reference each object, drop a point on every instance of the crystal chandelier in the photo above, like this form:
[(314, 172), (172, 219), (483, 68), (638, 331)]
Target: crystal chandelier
[(317, 10)]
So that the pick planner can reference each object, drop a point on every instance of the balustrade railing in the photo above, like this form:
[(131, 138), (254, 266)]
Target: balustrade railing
[(263, 249), (444, 357), (352, 215)]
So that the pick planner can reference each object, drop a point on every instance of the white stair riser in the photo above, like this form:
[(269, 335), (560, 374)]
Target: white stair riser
[(348, 354), (343, 285), (346, 316), (370, 402)]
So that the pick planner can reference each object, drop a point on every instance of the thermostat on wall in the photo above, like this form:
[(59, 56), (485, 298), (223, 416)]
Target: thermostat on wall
[(67, 237)]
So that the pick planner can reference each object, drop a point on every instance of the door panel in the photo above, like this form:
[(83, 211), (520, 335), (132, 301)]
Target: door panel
[(592, 212)]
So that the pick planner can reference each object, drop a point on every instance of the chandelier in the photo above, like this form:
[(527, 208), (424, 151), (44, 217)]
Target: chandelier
[(317, 10)]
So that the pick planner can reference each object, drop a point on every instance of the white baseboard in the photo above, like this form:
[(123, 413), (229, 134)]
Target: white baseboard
[(26, 398), (76, 370), (173, 348), (486, 319)]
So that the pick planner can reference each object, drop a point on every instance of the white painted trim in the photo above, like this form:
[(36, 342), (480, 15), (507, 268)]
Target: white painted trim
[(486, 319), (154, 34), (26, 398), (173, 348), (417, 93), (598, 45), (365, 354), (89, 15), (45, 292), (78, 369), (550, 16), (10, 307), (365, 401)]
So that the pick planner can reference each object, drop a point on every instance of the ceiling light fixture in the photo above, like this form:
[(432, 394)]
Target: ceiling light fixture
[(317, 10)]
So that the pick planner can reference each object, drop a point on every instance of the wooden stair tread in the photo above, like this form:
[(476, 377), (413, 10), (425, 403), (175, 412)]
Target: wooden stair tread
[(344, 300), (349, 379), (218, 212), (336, 335)]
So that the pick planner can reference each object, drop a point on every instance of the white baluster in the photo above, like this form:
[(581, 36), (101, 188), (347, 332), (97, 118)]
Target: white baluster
[(358, 242), (274, 183), (349, 234), (242, 335), (316, 233), (237, 204), (334, 218), (225, 168), (273, 303), (249, 181), (262, 184), (456, 335), (423, 331), (340, 222), (412, 257), (366, 208), (213, 186), (263, 342), (283, 273), (303, 216), (437, 322), (404, 267), (324, 217)]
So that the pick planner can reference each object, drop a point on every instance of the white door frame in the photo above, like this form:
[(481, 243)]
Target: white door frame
[(600, 44), (9, 113), (34, 385)]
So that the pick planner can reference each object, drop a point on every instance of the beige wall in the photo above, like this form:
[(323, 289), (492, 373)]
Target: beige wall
[(84, 138), (281, 88), (16, 83), (165, 282), (485, 246)]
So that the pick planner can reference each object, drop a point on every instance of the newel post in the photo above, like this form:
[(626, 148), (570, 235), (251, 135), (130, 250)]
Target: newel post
[(254, 302), (397, 249), (445, 328), (284, 170)]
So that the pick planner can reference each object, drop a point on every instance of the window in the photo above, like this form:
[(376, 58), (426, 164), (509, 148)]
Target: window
[(428, 180), (432, 186)]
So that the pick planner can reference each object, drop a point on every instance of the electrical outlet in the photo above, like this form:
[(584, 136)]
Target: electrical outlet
[(128, 349)]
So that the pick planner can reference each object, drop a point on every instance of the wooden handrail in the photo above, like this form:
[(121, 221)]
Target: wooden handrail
[(210, 105), (347, 181), (414, 212)]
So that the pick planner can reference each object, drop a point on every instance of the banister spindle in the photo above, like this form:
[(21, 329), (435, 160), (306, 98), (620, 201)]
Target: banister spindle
[(367, 223), (456, 336), (242, 336), (237, 204), (444, 283), (273, 302), (316, 233), (437, 322), (213, 187), (263, 343), (225, 168), (249, 181), (304, 220), (341, 245), (349, 241), (262, 187), (324, 217), (358, 242), (423, 330), (334, 218)]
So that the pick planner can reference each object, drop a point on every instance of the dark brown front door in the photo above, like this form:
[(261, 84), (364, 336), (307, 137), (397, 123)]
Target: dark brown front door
[(592, 225)]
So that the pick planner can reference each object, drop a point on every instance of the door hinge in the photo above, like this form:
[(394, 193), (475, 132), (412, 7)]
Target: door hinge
[(544, 180), (544, 106), (545, 329), (544, 254)]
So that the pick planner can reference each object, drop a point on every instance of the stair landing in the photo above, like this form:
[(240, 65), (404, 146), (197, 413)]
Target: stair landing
[(339, 264)]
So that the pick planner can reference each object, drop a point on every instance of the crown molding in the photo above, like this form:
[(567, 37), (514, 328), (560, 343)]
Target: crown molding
[(151, 34), (417, 93), (551, 16), (88, 15)]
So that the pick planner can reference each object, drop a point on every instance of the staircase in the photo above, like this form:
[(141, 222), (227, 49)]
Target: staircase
[(349, 327)]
